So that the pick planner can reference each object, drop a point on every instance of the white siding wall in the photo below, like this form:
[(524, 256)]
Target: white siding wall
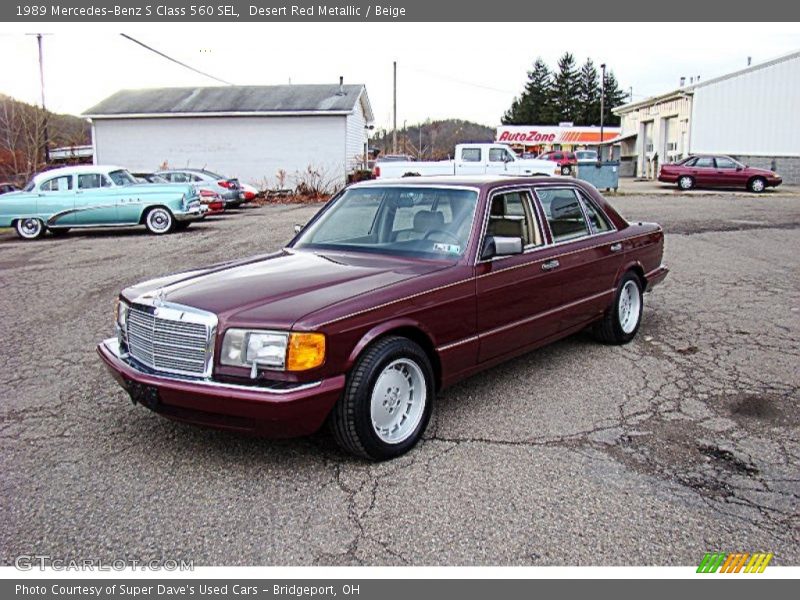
[(356, 137), (250, 148), (755, 113)]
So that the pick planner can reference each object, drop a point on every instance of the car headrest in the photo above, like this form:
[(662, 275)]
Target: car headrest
[(428, 220), (565, 208)]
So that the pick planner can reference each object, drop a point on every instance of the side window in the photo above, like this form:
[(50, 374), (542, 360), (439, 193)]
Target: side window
[(564, 214), (178, 177), (88, 181), (597, 219), (704, 162), (511, 216), (723, 162), (105, 181), (196, 177), (497, 154), (57, 184), (471, 154)]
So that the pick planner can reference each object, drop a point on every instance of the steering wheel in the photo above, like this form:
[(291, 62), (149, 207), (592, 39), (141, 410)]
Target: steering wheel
[(449, 234)]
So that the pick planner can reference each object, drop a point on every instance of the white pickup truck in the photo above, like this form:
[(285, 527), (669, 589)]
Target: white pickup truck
[(471, 159)]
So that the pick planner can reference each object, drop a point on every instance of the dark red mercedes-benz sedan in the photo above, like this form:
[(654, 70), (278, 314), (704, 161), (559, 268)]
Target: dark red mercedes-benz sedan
[(393, 291)]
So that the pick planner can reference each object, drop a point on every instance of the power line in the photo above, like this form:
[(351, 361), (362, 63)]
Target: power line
[(176, 61), (460, 81)]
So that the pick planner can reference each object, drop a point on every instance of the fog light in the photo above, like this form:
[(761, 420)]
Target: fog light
[(306, 351)]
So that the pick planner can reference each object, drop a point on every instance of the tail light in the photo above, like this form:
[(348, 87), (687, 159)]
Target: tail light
[(208, 194), (376, 170)]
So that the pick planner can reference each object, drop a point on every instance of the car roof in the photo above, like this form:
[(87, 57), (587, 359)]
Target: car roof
[(478, 181), (75, 169)]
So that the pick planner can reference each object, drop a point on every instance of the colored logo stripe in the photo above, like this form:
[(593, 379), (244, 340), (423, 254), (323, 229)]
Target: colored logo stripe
[(733, 563)]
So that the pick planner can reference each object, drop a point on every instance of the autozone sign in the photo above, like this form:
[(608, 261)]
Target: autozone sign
[(533, 137), (547, 134)]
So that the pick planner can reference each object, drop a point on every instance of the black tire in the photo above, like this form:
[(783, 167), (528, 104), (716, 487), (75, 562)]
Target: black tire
[(610, 330), (59, 231), (566, 170), (757, 185), (29, 229), (159, 221), (351, 418), (685, 182)]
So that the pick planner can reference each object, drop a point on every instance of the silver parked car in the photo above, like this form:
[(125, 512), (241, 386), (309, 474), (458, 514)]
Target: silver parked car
[(228, 188)]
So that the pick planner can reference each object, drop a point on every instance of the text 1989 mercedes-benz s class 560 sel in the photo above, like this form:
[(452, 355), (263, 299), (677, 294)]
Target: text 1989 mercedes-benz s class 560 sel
[(393, 291)]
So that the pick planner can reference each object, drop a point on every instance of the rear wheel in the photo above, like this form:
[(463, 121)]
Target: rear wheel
[(29, 229), (757, 185), (387, 402), (685, 182), (566, 170), (622, 319), (159, 221)]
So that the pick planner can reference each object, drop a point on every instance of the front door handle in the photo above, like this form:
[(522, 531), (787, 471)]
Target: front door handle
[(550, 265), (615, 247)]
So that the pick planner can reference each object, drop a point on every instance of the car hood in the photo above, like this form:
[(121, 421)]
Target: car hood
[(278, 289), (161, 188)]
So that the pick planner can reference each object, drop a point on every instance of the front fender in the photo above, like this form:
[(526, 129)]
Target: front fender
[(383, 329)]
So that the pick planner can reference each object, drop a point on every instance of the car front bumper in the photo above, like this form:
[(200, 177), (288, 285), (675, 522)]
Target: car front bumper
[(193, 214), (280, 411)]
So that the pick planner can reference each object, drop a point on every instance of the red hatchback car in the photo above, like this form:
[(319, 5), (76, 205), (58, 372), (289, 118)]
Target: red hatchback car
[(717, 171), (395, 290), (565, 160)]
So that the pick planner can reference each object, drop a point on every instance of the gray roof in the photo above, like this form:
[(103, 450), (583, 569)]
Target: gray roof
[(289, 99)]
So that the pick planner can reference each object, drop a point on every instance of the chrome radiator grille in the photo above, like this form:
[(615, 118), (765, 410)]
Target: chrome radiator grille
[(157, 338)]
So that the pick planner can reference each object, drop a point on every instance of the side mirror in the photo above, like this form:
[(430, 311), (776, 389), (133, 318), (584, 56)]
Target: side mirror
[(298, 228), (739, 167), (495, 245)]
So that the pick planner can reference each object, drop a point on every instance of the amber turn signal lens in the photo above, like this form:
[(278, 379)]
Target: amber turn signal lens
[(306, 351)]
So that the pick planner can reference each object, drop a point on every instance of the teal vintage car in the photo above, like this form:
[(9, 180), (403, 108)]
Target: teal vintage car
[(97, 196)]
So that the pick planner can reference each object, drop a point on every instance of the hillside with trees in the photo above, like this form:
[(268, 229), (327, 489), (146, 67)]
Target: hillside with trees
[(568, 93), (432, 140), (22, 137)]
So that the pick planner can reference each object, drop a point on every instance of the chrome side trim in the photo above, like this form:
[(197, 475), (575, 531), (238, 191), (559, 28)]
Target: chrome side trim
[(546, 313), (112, 345), (461, 342)]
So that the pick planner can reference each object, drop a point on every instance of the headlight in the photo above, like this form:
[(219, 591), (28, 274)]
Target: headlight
[(275, 350)]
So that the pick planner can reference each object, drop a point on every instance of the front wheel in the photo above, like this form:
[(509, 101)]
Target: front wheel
[(685, 182), (757, 185), (565, 170), (387, 402), (159, 221), (29, 229), (622, 319)]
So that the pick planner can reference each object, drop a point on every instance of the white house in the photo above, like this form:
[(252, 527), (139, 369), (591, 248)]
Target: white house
[(249, 132)]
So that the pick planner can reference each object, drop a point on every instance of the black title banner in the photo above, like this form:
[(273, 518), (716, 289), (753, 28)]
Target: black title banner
[(395, 10)]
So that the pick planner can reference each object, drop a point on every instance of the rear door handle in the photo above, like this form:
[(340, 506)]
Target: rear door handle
[(550, 265), (615, 247)]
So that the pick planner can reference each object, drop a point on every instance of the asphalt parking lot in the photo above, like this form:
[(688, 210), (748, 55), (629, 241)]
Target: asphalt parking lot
[(685, 441)]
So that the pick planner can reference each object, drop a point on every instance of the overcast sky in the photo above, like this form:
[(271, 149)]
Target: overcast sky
[(468, 71)]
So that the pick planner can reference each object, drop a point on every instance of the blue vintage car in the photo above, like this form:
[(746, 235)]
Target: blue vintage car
[(97, 196)]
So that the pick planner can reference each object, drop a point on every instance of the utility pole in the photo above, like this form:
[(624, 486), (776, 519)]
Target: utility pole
[(394, 127), (602, 105), (44, 108)]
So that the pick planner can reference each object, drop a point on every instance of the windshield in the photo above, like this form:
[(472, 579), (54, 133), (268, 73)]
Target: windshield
[(122, 177), (401, 220)]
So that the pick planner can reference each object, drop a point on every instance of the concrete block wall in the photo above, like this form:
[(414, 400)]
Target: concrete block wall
[(787, 167)]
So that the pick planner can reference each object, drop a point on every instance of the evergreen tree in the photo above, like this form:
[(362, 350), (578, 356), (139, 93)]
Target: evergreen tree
[(566, 85), (533, 105), (612, 97), (588, 95)]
